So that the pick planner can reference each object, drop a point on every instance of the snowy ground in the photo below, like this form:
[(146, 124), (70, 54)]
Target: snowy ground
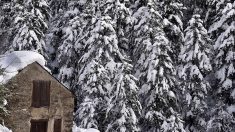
[(76, 129), (4, 129)]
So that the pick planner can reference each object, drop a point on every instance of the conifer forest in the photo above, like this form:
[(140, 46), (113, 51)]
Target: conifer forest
[(134, 65)]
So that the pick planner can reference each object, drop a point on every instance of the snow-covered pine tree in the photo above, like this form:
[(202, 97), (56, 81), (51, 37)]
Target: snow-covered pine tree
[(76, 70), (3, 90), (214, 11), (101, 63), (58, 6), (95, 72), (171, 11), (121, 14), (5, 24), (156, 72), (191, 5), (93, 79), (3, 110), (220, 119), (66, 43), (124, 110), (5, 18), (223, 31), (30, 25), (68, 52), (2, 102), (60, 16), (195, 65), (209, 13), (71, 30)]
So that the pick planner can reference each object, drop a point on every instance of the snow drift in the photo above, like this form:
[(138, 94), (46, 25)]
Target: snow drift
[(4, 129)]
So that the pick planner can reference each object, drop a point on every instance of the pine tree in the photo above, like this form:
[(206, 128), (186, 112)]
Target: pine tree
[(71, 30), (223, 33), (3, 110), (71, 26), (94, 75), (195, 65), (190, 5), (30, 24), (58, 6), (5, 18), (214, 11), (220, 119), (93, 86), (5, 24), (173, 25), (102, 63), (155, 70), (67, 44), (68, 52), (121, 14), (91, 82), (124, 109), (3, 91)]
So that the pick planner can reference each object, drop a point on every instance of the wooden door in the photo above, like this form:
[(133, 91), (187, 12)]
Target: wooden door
[(38, 126), (57, 125)]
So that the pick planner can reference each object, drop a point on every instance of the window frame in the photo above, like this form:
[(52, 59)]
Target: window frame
[(41, 93), (37, 122)]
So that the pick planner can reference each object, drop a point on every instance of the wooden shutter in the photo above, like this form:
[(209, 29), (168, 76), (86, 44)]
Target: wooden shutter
[(57, 125), (41, 93), (38, 126), (48, 91), (36, 94), (45, 93)]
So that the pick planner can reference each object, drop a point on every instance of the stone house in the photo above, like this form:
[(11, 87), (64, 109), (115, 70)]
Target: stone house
[(37, 102)]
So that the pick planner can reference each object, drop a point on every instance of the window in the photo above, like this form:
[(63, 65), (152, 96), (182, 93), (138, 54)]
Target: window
[(38, 126), (41, 93), (57, 125)]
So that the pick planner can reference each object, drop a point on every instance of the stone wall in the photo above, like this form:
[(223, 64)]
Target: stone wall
[(19, 101)]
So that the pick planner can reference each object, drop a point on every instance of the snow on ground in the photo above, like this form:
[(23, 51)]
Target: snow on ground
[(4, 129), (17, 60), (77, 129)]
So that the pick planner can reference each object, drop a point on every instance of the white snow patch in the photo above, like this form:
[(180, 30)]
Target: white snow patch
[(171, 94), (13, 62), (77, 129), (4, 129), (231, 109)]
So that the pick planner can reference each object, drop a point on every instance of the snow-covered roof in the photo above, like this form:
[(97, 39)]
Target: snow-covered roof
[(13, 62)]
